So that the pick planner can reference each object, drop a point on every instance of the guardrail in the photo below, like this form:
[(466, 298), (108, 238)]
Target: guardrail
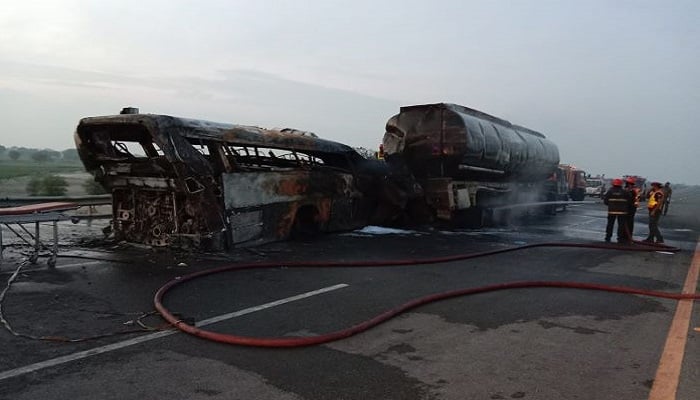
[(95, 200)]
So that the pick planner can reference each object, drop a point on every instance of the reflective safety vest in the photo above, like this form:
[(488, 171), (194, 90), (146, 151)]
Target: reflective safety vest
[(656, 198), (618, 201), (636, 192)]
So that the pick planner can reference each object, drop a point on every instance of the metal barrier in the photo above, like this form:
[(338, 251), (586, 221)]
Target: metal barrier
[(35, 214), (93, 200)]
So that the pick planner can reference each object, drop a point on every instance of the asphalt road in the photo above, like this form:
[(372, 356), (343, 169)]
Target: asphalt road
[(525, 343)]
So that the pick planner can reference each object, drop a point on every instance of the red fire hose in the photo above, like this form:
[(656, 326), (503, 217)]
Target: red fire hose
[(363, 326)]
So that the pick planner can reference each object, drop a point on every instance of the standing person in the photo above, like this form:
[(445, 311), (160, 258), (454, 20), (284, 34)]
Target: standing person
[(667, 196), (635, 192), (618, 201), (655, 204)]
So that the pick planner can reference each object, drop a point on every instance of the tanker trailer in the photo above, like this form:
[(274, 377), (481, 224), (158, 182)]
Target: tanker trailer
[(468, 166)]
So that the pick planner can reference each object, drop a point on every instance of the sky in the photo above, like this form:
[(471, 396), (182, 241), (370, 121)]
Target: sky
[(614, 84)]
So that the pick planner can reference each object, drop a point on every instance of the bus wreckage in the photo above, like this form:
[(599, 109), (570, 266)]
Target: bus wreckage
[(192, 183)]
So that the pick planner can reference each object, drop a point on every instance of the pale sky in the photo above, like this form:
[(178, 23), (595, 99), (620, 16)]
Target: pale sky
[(615, 84)]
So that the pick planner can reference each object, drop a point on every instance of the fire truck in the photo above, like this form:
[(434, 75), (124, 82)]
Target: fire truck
[(576, 179), (596, 185)]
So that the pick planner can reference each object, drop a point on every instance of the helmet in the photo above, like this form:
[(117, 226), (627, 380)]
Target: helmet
[(657, 184), (617, 182), (631, 180)]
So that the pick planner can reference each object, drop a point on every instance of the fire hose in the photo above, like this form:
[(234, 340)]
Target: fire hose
[(192, 329)]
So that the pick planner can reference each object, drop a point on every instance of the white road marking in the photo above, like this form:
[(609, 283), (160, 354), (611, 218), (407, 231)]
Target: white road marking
[(152, 336), (81, 264), (261, 307)]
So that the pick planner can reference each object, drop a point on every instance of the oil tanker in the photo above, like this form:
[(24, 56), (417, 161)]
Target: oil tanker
[(466, 164)]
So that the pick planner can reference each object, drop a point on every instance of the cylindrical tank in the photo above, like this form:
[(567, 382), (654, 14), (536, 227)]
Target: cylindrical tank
[(448, 140)]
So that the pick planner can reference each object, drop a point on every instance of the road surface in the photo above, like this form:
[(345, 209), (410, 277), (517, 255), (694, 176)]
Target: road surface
[(518, 344)]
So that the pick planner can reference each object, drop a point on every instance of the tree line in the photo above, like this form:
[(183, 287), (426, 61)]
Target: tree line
[(43, 182), (37, 155)]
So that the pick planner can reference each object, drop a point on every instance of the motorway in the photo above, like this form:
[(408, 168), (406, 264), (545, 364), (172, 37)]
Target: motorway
[(537, 343)]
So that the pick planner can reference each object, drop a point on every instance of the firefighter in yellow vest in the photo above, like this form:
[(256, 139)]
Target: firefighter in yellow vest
[(636, 195), (619, 202), (655, 205)]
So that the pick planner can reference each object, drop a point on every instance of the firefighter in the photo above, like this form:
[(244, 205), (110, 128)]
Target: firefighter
[(619, 202), (667, 196), (655, 204), (636, 195)]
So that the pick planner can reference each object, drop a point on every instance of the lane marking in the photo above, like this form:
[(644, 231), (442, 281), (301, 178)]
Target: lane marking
[(261, 307), (82, 264), (152, 336), (668, 373)]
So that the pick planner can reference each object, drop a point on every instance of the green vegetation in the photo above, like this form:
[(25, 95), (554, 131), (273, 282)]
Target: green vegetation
[(21, 161), (70, 155), (14, 169), (40, 172), (49, 185), (43, 156), (36, 171), (92, 187)]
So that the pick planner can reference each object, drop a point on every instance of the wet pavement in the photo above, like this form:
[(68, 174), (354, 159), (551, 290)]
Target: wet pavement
[(526, 343)]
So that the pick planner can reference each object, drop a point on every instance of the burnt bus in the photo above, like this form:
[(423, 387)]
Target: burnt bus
[(184, 182)]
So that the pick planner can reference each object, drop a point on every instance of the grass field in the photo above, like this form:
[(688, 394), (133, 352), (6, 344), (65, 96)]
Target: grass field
[(15, 175), (14, 169)]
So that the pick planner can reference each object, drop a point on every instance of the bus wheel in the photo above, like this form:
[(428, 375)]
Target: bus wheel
[(305, 223)]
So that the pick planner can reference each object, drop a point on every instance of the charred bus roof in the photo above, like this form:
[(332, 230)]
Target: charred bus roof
[(159, 126)]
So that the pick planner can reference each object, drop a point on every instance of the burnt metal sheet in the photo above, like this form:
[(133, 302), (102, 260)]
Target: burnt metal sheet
[(246, 226), (313, 201), (250, 189), (246, 189)]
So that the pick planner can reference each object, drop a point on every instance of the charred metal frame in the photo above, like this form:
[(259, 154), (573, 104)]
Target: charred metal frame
[(215, 186)]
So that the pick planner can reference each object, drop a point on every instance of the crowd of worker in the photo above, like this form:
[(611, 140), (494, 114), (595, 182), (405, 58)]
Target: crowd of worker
[(622, 205)]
